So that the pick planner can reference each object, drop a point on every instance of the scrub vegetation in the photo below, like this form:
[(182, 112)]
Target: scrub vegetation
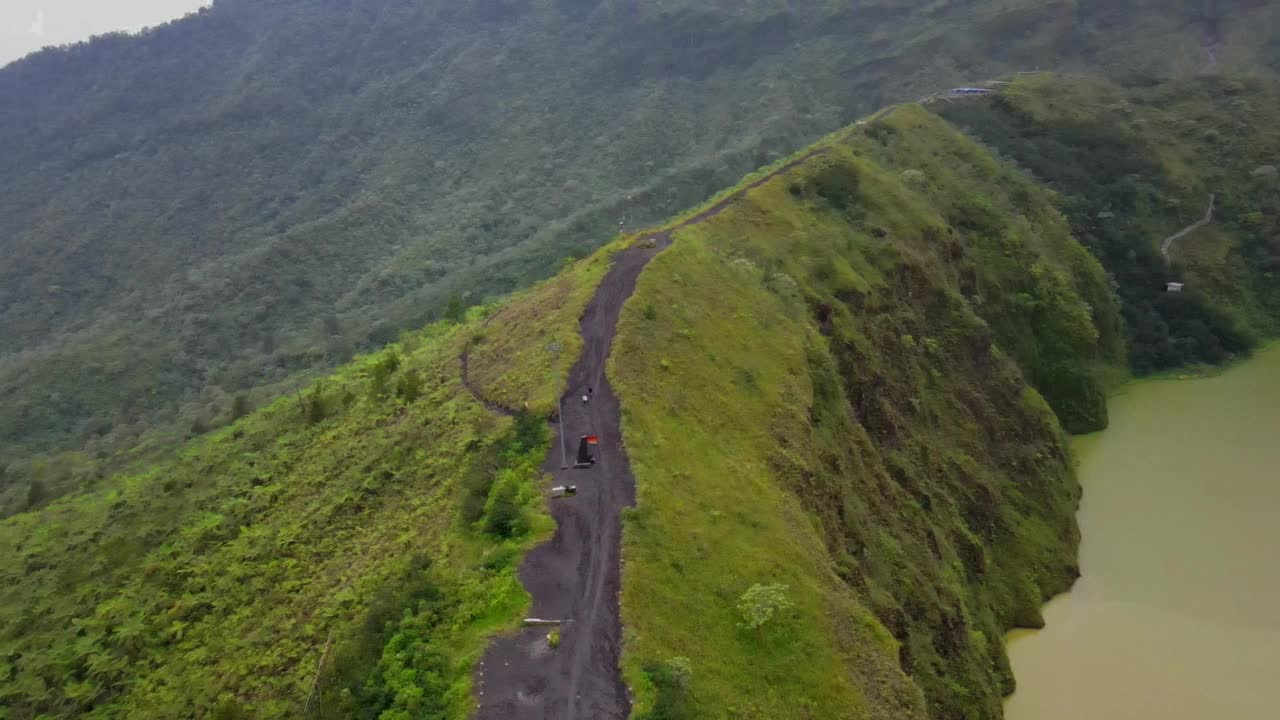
[(383, 509)]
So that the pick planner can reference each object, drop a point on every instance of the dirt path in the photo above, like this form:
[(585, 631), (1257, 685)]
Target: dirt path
[(1169, 241), (576, 576)]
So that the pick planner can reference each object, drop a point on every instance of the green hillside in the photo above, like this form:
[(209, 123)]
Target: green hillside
[(845, 397), (1136, 163), (217, 206), (822, 390), (825, 387), (383, 508)]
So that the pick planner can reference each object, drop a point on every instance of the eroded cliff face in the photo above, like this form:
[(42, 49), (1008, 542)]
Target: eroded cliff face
[(832, 386)]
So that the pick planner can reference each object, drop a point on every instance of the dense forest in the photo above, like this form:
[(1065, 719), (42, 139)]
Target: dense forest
[(194, 218)]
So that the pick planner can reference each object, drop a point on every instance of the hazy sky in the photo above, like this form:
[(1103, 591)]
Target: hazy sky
[(28, 25)]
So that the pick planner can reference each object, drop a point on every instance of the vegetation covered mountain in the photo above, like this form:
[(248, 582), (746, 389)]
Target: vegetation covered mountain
[(260, 189), (845, 397), (887, 479), (885, 459), (1135, 164)]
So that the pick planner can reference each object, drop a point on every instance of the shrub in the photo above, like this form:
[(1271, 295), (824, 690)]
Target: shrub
[(503, 514), (36, 494), (314, 407), (680, 670), (837, 184), (524, 445), (380, 375), (530, 432), (239, 406), (455, 311), (914, 178), (409, 387), (670, 681), (760, 603), (198, 427)]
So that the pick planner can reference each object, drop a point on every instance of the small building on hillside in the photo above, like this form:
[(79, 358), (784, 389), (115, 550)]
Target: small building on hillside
[(1173, 287)]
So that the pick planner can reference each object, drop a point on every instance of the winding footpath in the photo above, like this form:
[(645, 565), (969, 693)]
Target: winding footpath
[(1169, 241), (576, 576)]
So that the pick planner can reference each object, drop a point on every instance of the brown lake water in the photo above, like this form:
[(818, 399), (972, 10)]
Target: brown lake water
[(1177, 615)]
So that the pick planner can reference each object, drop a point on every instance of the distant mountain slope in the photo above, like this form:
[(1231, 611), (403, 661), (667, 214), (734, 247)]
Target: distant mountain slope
[(1134, 165), (263, 188)]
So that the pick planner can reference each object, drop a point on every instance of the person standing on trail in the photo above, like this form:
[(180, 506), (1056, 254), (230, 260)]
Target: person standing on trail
[(587, 398)]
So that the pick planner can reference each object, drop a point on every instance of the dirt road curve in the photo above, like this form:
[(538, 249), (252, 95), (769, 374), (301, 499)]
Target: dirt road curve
[(576, 576)]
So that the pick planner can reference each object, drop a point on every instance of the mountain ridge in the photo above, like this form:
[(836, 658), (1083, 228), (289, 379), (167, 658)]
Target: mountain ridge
[(417, 502), (308, 179)]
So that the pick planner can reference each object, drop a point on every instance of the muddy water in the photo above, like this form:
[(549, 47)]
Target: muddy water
[(1177, 616)]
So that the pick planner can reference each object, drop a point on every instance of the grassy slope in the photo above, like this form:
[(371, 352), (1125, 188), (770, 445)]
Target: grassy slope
[(210, 581), (1134, 164), (811, 398), (521, 354)]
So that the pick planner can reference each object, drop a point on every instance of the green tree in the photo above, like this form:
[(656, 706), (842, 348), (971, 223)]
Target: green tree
[(380, 375), (37, 493), (455, 311), (239, 406), (503, 515), (315, 407), (198, 427), (409, 387)]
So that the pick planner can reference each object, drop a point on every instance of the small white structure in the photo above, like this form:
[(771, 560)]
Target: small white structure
[(1173, 287)]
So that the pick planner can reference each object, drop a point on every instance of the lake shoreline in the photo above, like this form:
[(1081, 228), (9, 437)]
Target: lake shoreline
[(1174, 528)]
